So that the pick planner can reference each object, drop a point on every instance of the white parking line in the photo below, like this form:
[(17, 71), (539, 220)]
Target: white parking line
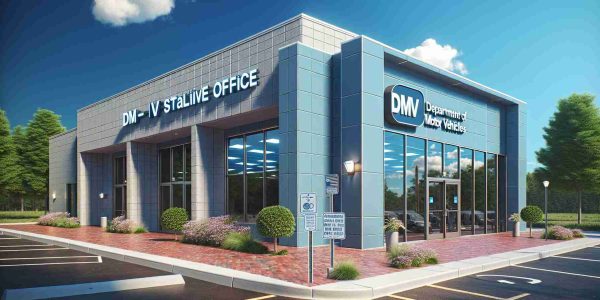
[(50, 257), (99, 261), (21, 250), (10, 238), (577, 258), (16, 246), (559, 272)]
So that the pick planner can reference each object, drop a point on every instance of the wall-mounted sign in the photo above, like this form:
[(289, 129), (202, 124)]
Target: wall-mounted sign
[(407, 106), (219, 89)]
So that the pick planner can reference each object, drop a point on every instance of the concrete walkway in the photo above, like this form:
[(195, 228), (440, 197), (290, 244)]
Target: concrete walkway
[(365, 288)]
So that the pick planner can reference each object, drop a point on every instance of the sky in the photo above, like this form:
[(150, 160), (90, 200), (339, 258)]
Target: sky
[(63, 55)]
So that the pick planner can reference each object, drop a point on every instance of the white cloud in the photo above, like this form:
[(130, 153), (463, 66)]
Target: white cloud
[(442, 56), (123, 12)]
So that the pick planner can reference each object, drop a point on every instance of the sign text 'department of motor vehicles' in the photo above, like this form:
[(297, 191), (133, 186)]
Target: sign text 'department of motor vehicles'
[(334, 226), (308, 203)]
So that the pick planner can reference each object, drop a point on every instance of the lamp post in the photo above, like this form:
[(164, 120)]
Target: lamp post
[(546, 184)]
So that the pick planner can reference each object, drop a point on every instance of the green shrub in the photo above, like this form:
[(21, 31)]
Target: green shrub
[(20, 214), (280, 252), (345, 270), (531, 214), (404, 256), (67, 223), (577, 233), (393, 225), (173, 219), (243, 242), (275, 222), (140, 229)]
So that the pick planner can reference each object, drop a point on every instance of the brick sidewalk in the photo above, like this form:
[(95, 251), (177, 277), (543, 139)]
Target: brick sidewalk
[(291, 267)]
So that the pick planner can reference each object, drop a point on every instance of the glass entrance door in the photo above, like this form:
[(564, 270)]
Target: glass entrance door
[(443, 205), (175, 178)]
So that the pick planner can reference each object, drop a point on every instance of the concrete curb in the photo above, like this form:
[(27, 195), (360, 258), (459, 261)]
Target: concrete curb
[(371, 287), (57, 291)]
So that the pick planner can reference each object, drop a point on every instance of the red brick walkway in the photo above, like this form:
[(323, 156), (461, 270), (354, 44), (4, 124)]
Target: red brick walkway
[(291, 267)]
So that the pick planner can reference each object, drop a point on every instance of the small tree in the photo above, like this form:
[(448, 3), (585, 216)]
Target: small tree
[(275, 222), (531, 214), (173, 219)]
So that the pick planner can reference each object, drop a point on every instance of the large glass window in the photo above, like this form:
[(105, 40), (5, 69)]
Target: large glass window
[(451, 162), (120, 186), (175, 178), (415, 181), (466, 191), (502, 215), (394, 176), (252, 173), (492, 212), (434, 159), (480, 195)]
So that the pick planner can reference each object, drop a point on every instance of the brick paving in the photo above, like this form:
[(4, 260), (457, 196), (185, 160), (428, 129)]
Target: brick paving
[(291, 267)]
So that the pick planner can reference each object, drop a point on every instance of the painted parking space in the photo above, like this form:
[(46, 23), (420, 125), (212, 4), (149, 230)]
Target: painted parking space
[(549, 278), (36, 268)]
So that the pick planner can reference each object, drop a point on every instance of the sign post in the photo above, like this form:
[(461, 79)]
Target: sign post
[(308, 209), (334, 227), (332, 188)]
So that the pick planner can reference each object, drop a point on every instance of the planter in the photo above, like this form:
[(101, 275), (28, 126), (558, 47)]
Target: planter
[(391, 239), (516, 229)]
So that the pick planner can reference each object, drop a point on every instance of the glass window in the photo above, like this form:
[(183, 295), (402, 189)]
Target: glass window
[(255, 152), (188, 162), (165, 165), (165, 197), (394, 176), (177, 163), (480, 195), (415, 181), (502, 212), (492, 212), (272, 167), (451, 161), (252, 173), (466, 191), (235, 178), (120, 170), (188, 200), (434, 159)]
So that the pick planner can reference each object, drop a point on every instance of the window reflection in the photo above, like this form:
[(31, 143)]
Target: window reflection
[(394, 176), (466, 191), (451, 161), (491, 194), (415, 181), (434, 159), (480, 196)]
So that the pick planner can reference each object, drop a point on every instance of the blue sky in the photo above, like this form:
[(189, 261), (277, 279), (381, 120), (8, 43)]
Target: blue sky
[(57, 55)]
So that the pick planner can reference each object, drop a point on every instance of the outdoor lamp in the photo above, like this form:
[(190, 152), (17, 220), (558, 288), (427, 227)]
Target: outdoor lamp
[(53, 195), (349, 166), (546, 184), (101, 195)]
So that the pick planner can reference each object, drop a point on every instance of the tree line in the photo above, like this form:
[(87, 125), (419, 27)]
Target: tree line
[(24, 166), (571, 157)]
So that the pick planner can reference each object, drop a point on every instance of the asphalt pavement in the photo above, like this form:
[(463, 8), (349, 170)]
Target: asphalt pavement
[(573, 275), (28, 264)]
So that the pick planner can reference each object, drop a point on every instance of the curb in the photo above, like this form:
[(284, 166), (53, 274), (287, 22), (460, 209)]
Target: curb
[(366, 288)]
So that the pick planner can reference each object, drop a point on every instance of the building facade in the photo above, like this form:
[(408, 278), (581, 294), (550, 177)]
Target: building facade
[(261, 121)]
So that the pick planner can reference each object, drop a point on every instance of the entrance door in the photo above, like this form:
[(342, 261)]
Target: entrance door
[(443, 205)]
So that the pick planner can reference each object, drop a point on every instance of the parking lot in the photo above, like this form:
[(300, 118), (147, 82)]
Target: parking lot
[(26, 264), (573, 275)]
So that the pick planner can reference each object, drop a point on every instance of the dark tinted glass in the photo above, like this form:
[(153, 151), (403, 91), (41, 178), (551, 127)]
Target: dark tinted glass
[(188, 162), (480, 195), (165, 165), (177, 164), (188, 200), (165, 198), (254, 174), (502, 215), (177, 195), (235, 156), (415, 183), (272, 167), (393, 163), (491, 194)]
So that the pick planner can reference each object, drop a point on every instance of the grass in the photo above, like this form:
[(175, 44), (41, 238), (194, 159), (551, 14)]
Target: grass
[(243, 243), (345, 270), (589, 222), (19, 216)]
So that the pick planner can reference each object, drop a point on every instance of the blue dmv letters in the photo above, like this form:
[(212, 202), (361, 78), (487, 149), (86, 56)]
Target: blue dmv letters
[(404, 106)]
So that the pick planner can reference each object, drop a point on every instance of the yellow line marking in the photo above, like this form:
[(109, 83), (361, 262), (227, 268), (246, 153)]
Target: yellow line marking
[(400, 297), (518, 296), (262, 297), (465, 292)]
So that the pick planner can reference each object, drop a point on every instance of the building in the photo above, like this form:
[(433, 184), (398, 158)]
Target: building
[(260, 121)]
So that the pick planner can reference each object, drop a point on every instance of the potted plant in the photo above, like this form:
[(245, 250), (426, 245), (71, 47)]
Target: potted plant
[(391, 227), (516, 219)]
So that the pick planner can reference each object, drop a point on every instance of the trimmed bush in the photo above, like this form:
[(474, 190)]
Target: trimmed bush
[(212, 231), (531, 214), (577, 233), (275, 222), (243, 242), (345, 270), (59, 219), (404, 256), (173, 219), (123, 225)]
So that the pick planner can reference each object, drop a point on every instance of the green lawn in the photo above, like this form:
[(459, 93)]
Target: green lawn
[(569, 220), (19, 216)]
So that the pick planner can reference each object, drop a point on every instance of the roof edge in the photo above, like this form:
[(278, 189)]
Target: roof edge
[(63, 133)]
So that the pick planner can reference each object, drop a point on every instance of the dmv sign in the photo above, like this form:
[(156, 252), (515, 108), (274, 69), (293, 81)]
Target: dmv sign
[(404, 105)]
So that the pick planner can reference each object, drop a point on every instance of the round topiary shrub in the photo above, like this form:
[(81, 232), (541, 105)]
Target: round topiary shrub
[(275, 222), (531, 214), (173, 219)]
